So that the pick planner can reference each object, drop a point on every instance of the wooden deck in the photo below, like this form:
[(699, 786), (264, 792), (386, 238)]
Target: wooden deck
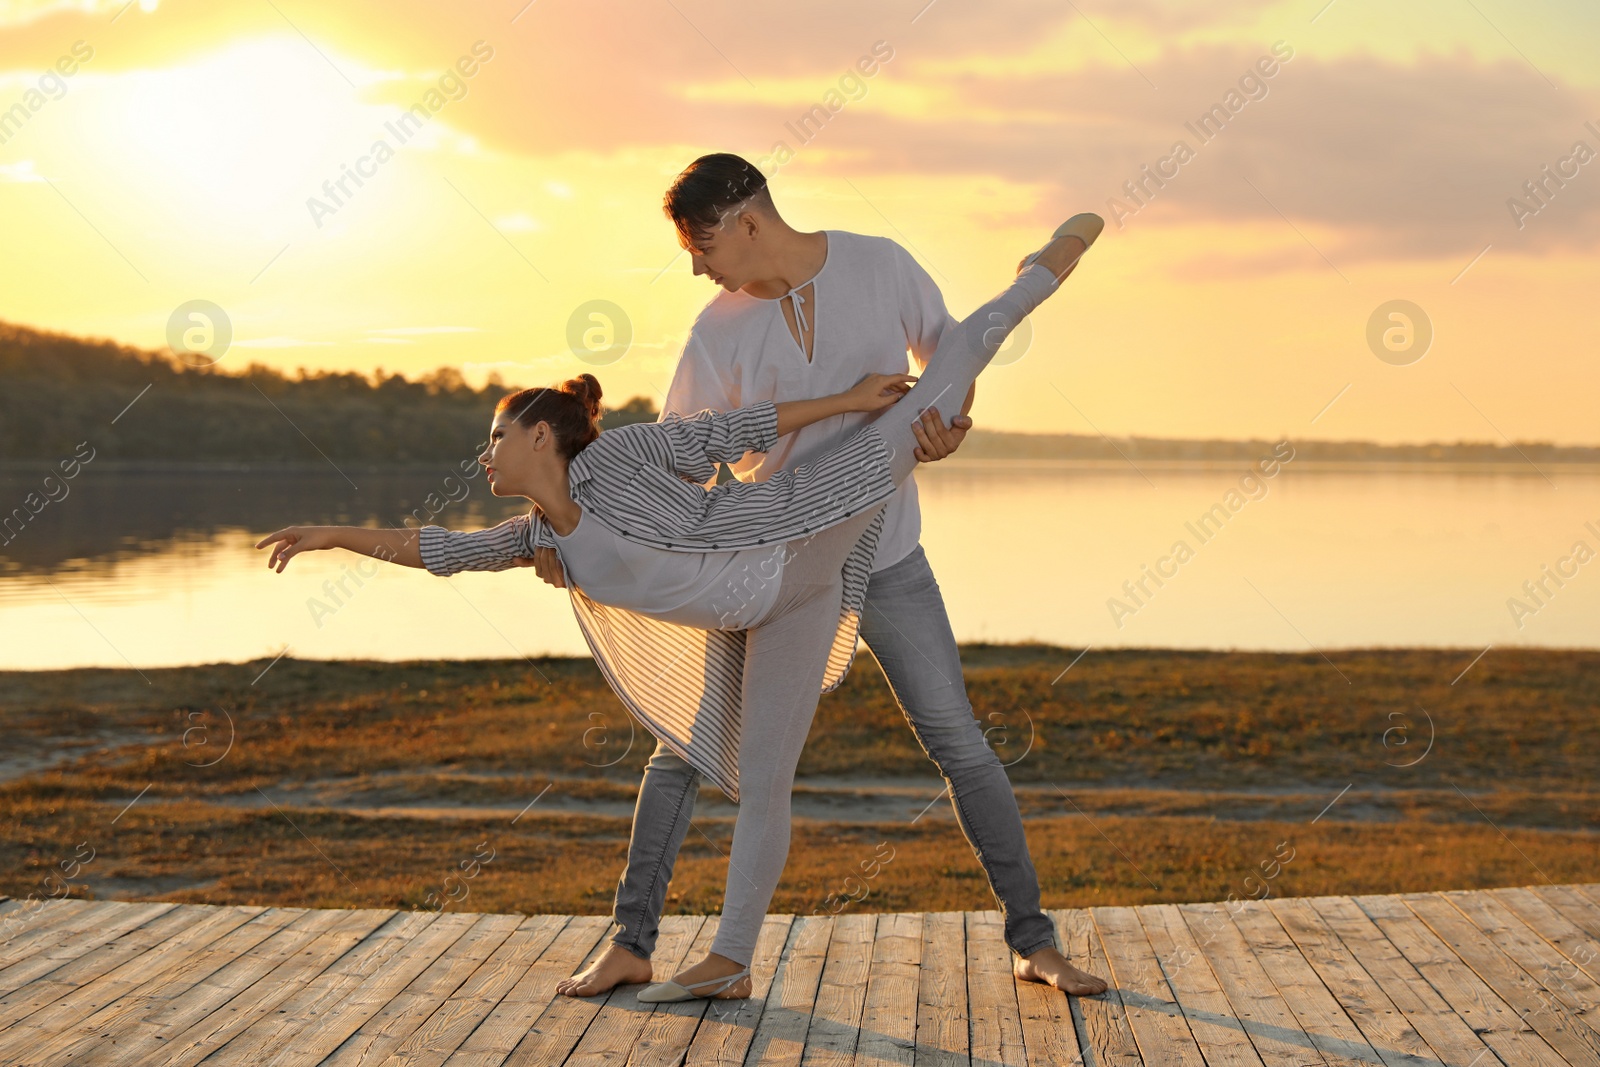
[(1464, 979)]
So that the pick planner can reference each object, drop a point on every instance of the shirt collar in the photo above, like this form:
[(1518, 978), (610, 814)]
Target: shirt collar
[(579, 469)]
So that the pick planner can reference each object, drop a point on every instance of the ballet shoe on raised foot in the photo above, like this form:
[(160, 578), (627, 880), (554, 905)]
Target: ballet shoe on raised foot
[(671, 992), (1085, 226)]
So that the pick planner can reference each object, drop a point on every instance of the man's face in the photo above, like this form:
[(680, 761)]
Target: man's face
[(719, 255)]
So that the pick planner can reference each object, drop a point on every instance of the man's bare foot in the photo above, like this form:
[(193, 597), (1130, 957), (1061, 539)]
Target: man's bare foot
[(1051, 967), (715, 966), (1061, 256), (615, 966)]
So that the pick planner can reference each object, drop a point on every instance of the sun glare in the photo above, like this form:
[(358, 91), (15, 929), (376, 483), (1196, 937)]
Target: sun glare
[(254, 127)]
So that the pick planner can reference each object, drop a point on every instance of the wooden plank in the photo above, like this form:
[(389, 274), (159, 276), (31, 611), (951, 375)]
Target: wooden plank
[(1437, 1023), (995, 1020), (724, 1032), (943, 1033), (1260, 1006), (82, 934), (562, 1024), (1158, 1023), (1321, 1017), (1422, 980), (1380, 1022), (780, 1034), (1581, 949), (68, 935), (394, 1020), (255, 994), (116, 1030), (889, 1016), (1104, 1038), (1514, 1042), (107, 957), (1577, 908), (25, 924), (307, 1034), (172, 1009), (494, 1039), (1049, 1034), (317, 1000), (443, 1031), (842, 993), (1576, 1042), (621, 1020), (1570, 985), (670, 1028), (1216, 1029), (56, 1024)]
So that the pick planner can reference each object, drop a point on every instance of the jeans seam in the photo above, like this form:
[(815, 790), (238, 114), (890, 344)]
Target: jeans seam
[(970, 829), (655, 875), (1007, 908)]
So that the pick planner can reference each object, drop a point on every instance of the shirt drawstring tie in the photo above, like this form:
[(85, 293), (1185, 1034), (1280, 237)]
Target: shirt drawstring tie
[(797, 300)]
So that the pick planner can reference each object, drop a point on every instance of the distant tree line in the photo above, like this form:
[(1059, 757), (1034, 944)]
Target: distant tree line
[(995, 444), (57, 391)]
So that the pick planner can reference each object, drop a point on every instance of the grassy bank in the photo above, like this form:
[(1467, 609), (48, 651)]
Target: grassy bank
[(1144, 776)]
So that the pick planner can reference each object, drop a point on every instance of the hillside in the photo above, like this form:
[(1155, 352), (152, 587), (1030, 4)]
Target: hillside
[(61, 390)]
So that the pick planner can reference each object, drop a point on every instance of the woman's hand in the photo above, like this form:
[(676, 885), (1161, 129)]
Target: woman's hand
[(877, 391), (873, 393), (293, 540)]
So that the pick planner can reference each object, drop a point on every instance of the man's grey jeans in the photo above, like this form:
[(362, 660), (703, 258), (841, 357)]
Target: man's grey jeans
[(905, 625)]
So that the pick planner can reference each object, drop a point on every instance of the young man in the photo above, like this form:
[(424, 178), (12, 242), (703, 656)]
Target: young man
[(803, 315)]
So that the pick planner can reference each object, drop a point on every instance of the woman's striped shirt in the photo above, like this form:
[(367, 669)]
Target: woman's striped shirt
[(646, 481)]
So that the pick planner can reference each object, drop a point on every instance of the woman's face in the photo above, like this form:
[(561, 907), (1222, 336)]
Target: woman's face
[(514, 454)]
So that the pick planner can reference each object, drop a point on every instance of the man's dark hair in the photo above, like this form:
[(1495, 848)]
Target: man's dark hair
[(708, 188)]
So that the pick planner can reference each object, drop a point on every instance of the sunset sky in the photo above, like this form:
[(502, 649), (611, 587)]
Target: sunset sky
[(181, 157)]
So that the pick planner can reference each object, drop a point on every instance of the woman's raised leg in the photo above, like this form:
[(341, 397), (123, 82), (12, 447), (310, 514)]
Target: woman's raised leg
[(966, 350)]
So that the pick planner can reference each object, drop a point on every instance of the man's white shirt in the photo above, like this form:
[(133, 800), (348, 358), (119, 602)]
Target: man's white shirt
[(870, 302)]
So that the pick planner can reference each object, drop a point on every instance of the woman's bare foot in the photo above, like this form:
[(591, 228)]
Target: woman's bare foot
[(615, 966), (715, 966), (1051, 967), (1061, 256)]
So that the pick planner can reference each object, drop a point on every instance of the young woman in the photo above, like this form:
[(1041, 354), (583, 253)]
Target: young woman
[(718, 615)]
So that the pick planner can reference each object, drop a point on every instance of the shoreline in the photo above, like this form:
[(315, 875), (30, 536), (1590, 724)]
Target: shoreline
[(976, 649), (958, 461)]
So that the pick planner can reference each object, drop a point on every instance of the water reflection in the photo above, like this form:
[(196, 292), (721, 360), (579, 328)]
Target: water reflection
[(111, 515), (156, 568)]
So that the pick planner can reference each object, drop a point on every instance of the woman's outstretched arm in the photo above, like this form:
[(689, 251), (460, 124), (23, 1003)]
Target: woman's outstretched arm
[(698, 442), (872, 393), (443, 552), (395, 546)]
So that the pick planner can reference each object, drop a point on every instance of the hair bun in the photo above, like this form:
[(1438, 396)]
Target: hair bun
[(586, 387)]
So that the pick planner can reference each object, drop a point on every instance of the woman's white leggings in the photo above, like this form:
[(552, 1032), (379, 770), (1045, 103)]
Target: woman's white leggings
[(786, 655)]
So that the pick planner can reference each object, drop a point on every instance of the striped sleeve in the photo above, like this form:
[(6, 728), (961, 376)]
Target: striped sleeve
[(702, 440), (446, 552)]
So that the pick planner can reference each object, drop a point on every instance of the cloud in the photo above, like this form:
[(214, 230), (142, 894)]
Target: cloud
[(1373, 158), (1398, 160), (22, 12), (518, 223), (20, 172)]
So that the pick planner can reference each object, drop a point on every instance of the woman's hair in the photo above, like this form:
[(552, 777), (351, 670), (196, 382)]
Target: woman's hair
[(572, 409), (708, 187)]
